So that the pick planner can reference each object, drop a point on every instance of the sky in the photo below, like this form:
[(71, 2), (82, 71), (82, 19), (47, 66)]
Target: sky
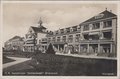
[(18, 17)]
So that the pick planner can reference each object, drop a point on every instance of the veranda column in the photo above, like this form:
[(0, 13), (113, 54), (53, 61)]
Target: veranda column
[(79, 48), (98, 48), (88, 48), (58, 48), (111, 48)]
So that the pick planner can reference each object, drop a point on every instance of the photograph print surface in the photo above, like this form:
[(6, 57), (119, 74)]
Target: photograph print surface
[(59, 39)]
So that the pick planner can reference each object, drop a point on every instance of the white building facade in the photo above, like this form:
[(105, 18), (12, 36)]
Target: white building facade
[(33, 39), (14, 44), (95, 36)]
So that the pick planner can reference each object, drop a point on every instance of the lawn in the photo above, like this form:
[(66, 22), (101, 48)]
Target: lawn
[(7, 60), (74, 66), (58, 65)]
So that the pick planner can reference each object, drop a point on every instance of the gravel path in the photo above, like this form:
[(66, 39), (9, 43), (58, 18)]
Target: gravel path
[(17, 61)]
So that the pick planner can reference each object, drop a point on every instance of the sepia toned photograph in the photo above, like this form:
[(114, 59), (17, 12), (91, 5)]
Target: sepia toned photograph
[(59, 0), (59, 39)]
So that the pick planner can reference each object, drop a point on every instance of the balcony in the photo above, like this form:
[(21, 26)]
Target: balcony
[(30, 42), (107, 24), (95, 41), (58, 40), (67, 30), (85, 27), (96, 26), (77, 40), (44, 40), (74, 28), (64, 40), (28, 39)]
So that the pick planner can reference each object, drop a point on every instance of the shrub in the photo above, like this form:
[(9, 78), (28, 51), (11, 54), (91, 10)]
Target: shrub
[(50, 49)]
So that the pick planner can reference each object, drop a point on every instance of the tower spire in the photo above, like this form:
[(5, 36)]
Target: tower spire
[(40, 22)]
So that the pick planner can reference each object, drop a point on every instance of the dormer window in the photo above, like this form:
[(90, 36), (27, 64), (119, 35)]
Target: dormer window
[(67, 30), (62, 31), (74, 28), (99, 16)]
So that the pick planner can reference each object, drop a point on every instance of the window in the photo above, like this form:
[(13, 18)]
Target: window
[(58, 39), (62, 31), (83, 48), (53, 39), (105, 48), (49, 39), (96, 26), (86, 27), (26, 36), (76, 48), (67, 30), (51, 33), (79, 28), (64, 38), (44, 39), (108, 24), (70, 38), (99, 16), (86, 36), (56, 32), (39, 41), (77, 38), (94, 37), (107, 35), (74, 28), (29, 36)]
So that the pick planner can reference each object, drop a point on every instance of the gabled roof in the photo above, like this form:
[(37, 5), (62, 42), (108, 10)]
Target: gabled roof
[(103, 15), (42, 27), (37, 29), (16, 37)]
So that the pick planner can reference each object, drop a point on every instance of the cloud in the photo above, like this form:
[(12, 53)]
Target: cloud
[(18, 17)]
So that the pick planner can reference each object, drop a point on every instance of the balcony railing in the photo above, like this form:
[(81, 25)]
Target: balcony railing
[(64, 40), (107, 26), (44, 40), (94, 41)]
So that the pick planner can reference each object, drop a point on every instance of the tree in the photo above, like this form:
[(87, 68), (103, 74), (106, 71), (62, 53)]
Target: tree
[(50, 49)]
